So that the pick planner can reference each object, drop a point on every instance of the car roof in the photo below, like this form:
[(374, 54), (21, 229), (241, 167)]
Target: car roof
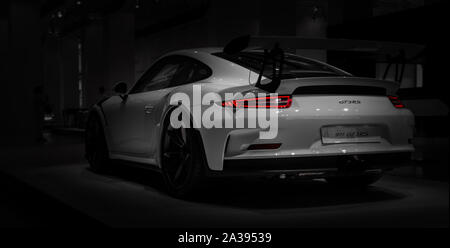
[(208, 50), (211, 50)]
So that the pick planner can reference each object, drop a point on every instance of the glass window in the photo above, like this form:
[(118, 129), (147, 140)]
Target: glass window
[(157, 77), (163, 78), (184, 74), (172, 71), (190, 71)]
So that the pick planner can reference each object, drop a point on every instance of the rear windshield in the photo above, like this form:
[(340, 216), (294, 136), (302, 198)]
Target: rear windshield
[(294, 66)]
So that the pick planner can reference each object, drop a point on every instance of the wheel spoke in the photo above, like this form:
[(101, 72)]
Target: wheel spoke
[(183, 135), (177, 154), (182, 167), (172, 155), (175, 138)]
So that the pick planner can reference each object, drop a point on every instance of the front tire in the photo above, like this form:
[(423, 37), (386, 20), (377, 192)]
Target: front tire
[(95, 145), (182, 160)]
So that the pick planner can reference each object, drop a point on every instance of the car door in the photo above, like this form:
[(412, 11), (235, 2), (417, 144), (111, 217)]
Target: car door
[(131, 126), (141, 113)]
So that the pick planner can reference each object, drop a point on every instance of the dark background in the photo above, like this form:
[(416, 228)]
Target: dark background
[(76, 51)]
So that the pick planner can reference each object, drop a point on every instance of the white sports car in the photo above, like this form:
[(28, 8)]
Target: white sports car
[(330, 124)]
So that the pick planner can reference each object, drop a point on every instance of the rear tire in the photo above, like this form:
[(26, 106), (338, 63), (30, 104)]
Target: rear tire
[(182, 161), (95, 145), (362, 181)]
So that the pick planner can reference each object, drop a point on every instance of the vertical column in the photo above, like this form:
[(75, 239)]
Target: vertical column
[(51, 74), (23, 61), (94, 61), (68, 60)]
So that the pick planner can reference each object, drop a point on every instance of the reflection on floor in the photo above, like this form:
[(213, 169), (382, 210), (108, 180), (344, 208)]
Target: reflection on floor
[(136, 197)]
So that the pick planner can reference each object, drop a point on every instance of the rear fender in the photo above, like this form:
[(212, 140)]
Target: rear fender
[(214, 140)]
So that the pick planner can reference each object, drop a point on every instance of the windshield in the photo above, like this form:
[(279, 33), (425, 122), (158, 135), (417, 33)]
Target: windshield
[(293, 67)]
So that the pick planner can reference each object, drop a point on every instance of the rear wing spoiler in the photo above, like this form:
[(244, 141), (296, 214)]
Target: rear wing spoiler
[(381, 51), (273, 46)]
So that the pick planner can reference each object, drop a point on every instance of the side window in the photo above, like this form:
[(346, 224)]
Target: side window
[(162, 78), (184, 74), (158, 76), (190, 71), (201, 71), (170, 72)]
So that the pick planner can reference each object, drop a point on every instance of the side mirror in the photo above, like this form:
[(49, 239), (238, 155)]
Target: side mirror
[(121, 88)]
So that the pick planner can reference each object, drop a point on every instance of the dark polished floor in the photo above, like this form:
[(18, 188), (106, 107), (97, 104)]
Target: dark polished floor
[(56, 177)]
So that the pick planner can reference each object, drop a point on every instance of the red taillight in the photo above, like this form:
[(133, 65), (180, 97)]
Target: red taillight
[(260, 102), (396, 101)]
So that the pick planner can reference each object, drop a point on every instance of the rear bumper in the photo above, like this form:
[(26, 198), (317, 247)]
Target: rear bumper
[(299, 131), (314, 167)]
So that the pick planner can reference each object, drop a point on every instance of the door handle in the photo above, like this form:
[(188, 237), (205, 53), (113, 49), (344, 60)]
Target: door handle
[(148, 109)]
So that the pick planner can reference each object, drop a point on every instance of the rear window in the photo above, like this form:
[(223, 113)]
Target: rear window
[(294, 66)]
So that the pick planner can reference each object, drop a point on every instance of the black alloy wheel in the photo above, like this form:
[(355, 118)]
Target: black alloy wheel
[(182, 160)]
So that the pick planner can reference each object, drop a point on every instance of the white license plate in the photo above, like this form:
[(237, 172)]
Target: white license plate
[(350, 134)]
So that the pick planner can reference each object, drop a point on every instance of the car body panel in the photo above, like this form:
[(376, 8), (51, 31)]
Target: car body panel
[(134, 135)]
